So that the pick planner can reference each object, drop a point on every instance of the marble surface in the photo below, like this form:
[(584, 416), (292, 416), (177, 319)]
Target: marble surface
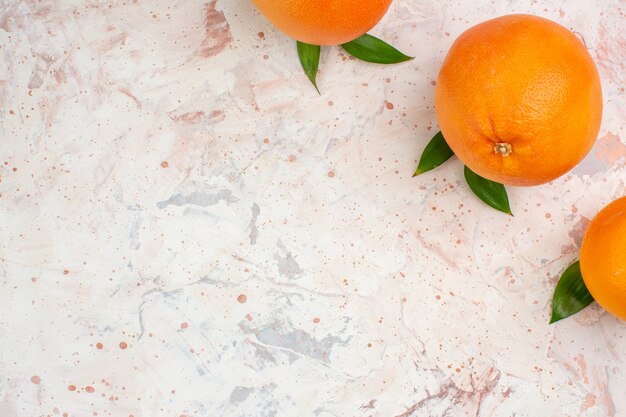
[(188, 229)]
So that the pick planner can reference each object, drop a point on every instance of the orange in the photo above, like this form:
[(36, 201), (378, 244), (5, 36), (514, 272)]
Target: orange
[(603, 258), (323, 22), (518, 99)]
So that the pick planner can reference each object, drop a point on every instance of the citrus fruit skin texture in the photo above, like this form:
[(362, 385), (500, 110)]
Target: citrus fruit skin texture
[(519, 100), (323, 22), (603, 258)]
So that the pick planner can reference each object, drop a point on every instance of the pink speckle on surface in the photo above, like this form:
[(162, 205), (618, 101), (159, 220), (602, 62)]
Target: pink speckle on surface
[(582, 364), (610, 149), (192, 117), (590, 401), (35, 379), (217, 32), (578, 231)]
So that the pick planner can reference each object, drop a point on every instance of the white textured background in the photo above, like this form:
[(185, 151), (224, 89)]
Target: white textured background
[(170, 182)]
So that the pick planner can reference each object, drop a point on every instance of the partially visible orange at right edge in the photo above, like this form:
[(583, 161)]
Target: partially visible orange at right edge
[(603, 258)]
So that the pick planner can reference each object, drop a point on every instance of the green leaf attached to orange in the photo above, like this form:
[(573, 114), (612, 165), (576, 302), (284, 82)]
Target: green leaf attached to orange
[(371, 49), (571, 294), (436, 153), (491, 192), (310, 60)]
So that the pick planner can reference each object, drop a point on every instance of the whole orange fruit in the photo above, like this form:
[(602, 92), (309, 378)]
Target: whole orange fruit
[(323, 22), (518, 99), (603, 258)]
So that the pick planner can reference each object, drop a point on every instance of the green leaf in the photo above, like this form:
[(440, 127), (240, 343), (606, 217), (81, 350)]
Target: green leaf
[(310, 59), (436, 153), (491, 192), (571, 294), (371, 49)]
